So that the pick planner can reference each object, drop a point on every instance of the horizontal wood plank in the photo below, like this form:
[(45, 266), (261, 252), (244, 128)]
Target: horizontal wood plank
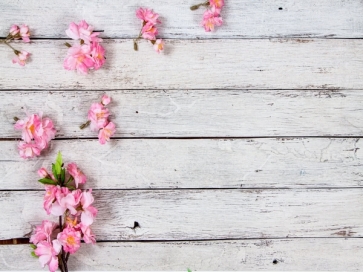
[(244, 18), (201, 163), (289, 254), (198, 64), (194, 113), (202, 214)]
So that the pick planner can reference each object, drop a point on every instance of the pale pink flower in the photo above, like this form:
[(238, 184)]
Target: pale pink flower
[(88, 212), (43, 232), (98, 55), (105, 100), (218, 4), (105, 133), (51, 192), (24, 33), (211, 18), (59, 206), (43, 173), (147, 15), (79, 177), (47, 253), (98, 115), (28, 150), (88, 236), (30, 127), (79, 58), (70, 240), (82, 31), (14, 30), (70, 201), (159, 45), (45, 133), (21, 57), (149, 31)]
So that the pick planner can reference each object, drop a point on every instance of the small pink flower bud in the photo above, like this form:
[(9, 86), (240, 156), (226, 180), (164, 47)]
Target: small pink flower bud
[(24, 33), (14, 30), (42, 172), (105, 100)]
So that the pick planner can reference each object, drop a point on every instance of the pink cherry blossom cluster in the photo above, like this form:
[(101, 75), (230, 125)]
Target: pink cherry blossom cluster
[(98, 118), (149, 29), (16, 33), (36, 133), (212, 16), (53, 243), (88, 53)]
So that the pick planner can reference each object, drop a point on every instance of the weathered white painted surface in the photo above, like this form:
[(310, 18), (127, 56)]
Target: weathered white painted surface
[(220, 163), (195, 113), (198, 64), (203, 214), (243, 18), (290, 254)]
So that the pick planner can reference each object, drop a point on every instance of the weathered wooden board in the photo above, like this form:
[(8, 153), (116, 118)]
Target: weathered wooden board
[(194, 113), (290, 254), (198, 64), (202, 214), (220, 163), (244, 18)]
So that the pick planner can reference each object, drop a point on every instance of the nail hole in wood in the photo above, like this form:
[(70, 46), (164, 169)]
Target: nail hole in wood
[(280, 8), (136, 225), (274, 261), (137, 112)]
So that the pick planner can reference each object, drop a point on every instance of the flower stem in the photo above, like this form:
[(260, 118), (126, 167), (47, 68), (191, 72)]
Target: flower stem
[(85, 124), (16, 119), (206, 4)]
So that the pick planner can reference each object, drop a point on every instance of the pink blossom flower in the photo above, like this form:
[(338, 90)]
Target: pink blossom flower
[(79, 177), (105, 100), (14, 30), (70, 201), (88, 236), (30, 127), (79, 58), (51, 193), (43, 232), (24, 33), (98, 55), (88, 212), (149, 31), (105, 133), (82, 31), (47, 253), (218, 4), (21, 57), (43, 173), (70, 240), (98, 115), (159, 45), (45, 133), (211, 18), (28, 150), (147, 15)]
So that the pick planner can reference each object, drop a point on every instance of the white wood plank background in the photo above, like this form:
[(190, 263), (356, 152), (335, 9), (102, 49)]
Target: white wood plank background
[(290, 254), (203, 214), (203, 163), (265, 116), (242, 18), (195, 113), (196, 64)]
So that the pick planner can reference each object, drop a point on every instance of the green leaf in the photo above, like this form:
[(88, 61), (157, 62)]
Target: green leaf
[(47, 181), (34, 255), (33, 246), (70, 187), (189, 270), (54, 172), (58, 164), (63, 175)]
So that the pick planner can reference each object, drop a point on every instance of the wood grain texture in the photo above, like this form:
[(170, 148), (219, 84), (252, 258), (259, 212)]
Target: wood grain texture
[(202, 214), (290, 254), (220, 163), (243, 18), (194, 113), (198, 64)]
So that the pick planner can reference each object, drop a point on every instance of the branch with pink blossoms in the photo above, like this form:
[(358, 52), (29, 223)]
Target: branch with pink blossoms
[(53, 242), (212, 16), (149, 30), (36, 133), (98, 118), (87, 53), (16, 33)]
